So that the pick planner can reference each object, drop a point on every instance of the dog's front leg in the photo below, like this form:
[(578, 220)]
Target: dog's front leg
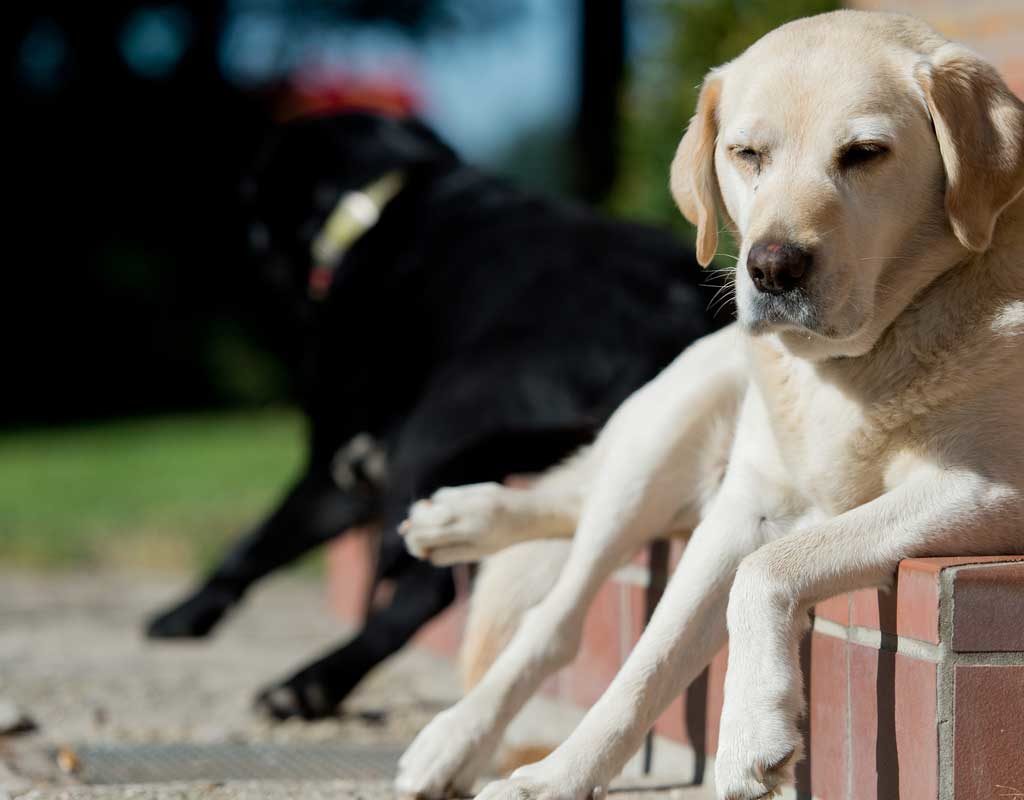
[(936, 512), (687, 628), (456, 746)]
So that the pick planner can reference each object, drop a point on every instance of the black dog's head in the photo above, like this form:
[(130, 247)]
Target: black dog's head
[(305, 168)]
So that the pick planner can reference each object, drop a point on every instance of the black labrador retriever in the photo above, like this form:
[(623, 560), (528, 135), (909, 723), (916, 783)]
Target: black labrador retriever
[(459, 328)]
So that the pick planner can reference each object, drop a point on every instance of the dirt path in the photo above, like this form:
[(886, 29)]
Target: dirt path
[(72, 657)]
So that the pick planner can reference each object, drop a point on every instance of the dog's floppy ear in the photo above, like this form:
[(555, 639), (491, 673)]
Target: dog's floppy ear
[(979, 124), (692, 175)]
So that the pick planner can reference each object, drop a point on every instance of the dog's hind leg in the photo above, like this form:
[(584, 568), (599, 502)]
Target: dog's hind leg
[(314, 511), (507, 586), (515, 579)]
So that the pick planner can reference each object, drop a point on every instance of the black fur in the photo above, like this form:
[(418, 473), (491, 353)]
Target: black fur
[(476, 331)]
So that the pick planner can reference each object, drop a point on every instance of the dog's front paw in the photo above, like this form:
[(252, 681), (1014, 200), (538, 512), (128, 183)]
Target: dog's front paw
[(553, 778), (522, 786), (457, 524), (756, 754), (448, 754)]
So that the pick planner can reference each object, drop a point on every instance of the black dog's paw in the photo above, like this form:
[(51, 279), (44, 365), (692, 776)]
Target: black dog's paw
[(192, 618), (305, 696)]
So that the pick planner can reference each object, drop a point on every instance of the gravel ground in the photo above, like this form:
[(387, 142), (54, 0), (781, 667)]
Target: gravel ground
[(72, 658)]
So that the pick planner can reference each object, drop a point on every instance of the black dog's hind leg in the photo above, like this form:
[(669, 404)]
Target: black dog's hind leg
[(421, 592), (314, 511)]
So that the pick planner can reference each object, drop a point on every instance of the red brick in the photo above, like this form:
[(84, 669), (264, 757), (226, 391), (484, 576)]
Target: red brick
[(552, 687), (827, 718), (443, 634), (635, 619), (864, 608), (672, 723), (912, 608), (893, 726), (600, 654), (988, 732), (917, 728), (917, 599), (350, 573), (871, 746), (988, 609), (675, 552), (836, 609)]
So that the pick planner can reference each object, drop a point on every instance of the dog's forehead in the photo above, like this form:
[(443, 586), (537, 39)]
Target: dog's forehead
[(824, 86)]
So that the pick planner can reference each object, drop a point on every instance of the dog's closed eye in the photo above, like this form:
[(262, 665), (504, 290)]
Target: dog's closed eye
[(747, 156), (861, 153)]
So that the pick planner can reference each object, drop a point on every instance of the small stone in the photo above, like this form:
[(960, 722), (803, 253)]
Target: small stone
[(13, 719), (68, 761)]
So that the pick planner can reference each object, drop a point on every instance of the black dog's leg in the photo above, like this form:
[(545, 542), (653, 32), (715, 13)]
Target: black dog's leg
[(314, 511), (421, 592)]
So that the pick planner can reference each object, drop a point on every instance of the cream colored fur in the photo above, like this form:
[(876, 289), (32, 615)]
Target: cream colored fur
[(811, 445)]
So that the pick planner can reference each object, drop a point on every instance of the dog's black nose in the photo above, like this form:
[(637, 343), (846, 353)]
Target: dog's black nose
[(776, 267)]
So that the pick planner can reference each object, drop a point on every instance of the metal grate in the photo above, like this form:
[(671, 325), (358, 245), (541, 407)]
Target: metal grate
[(161, 763)]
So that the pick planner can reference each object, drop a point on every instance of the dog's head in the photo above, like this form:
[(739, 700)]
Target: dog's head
[(855, 156), (308, 165)]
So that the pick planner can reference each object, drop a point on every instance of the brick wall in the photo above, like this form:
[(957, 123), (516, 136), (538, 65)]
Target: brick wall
[(915, 694), (993, 28)]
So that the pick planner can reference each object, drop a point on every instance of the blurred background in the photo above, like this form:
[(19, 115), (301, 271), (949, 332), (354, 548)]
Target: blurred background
[(145, 409)]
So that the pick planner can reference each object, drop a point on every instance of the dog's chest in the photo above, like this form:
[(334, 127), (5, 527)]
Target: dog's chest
[(833, 455)]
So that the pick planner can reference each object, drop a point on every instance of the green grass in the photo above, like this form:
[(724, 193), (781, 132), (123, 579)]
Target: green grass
[(160, 492)]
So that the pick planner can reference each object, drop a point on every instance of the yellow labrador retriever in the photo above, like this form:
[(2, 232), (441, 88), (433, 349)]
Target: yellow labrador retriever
[(865, 408)]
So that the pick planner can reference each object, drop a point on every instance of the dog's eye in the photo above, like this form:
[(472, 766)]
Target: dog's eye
[(861, 153), (748, 156)]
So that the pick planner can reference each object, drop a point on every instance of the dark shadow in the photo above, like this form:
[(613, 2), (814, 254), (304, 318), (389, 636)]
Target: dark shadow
[(887, 764), (695, 705), (803, 769), (657, 569), (695, 722)]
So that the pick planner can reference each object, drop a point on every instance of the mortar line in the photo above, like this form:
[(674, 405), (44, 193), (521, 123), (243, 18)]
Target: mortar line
[(944, 700), (877, 640)]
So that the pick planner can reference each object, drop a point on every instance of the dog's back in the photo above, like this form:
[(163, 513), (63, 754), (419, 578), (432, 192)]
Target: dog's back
[(516, 312)]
